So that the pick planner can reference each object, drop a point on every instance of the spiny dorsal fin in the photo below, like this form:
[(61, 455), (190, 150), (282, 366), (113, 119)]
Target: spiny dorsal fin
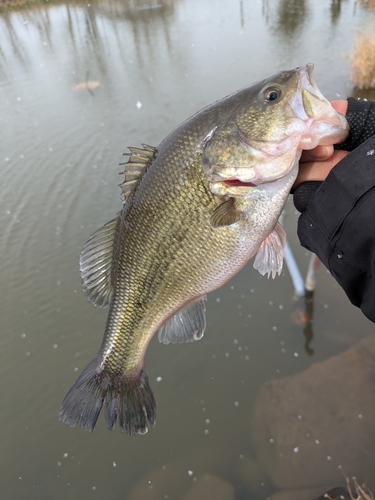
[(186, 325), (96, 264), (225, 214), (139, 160)]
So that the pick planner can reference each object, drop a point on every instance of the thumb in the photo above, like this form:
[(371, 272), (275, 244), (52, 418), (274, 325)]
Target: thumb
[(318, 170), (320, 153)]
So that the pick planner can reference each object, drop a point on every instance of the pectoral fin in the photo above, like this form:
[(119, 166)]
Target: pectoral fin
[(225, 214), (186, 325), (270, 255)]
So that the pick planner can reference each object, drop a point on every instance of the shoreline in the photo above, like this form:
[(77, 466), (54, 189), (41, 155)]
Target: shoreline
[(19, 5)]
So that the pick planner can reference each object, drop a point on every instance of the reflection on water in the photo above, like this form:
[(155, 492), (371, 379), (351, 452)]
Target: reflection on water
[(86, 24), (137, 11), (158, 63), (335, 10), (304, 316), (291, 17), (287, 18)]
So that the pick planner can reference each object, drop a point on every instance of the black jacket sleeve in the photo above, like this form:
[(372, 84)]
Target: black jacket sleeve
[(361, 119), (338, 224)]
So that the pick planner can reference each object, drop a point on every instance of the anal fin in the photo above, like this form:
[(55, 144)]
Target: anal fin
[(186, 325), (270, 255)]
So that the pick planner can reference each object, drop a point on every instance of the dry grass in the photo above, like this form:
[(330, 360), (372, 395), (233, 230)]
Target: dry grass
[(362, 59), (362, 492), (368, 3)]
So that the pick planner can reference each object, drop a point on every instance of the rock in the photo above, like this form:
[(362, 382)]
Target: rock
[(253, 477), (338, 493), (307, 424), (310, 494), (184, 474), (209, 486)]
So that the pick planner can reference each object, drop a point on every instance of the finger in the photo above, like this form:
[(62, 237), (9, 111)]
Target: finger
[(320, 153), (313, 171), (340, 106), (318, 170)]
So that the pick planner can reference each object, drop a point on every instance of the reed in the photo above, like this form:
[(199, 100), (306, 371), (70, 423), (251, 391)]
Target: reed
[(361, 492), (362, 58)]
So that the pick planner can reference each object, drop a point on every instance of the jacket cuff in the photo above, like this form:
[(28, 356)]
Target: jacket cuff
[(361, 119)]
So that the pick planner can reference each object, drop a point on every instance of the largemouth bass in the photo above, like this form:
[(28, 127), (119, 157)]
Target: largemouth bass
[(196, 209)]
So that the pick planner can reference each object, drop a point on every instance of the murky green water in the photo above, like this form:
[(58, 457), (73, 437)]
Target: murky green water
[(157, 64)]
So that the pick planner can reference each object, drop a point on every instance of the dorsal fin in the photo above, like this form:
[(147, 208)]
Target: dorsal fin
[(96, 263), (139, 160)]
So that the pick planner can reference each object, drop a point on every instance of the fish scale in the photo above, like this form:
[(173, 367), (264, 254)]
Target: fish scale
[(205, 201)]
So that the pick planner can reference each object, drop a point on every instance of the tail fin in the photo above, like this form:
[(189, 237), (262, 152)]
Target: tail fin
[(128, 399)]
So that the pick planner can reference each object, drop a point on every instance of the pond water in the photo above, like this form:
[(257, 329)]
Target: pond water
[(156, 62)]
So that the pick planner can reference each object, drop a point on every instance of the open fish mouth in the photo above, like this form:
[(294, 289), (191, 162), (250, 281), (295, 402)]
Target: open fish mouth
[(310, 106)]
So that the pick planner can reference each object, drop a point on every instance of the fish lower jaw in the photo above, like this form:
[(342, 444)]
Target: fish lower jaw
[(322, 135), (308, 142), (329, 128)]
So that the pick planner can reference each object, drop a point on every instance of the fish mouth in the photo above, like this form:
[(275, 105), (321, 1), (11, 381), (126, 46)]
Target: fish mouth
[(314, 109)]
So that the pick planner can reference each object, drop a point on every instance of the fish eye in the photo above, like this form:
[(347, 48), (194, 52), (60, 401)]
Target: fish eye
[(270, 95)]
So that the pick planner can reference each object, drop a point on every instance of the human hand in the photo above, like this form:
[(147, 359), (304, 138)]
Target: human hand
[(316, 164)]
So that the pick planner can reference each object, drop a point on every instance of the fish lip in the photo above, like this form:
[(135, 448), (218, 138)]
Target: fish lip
[(307, 80), (297, 107), (308, 72), (307, 83)]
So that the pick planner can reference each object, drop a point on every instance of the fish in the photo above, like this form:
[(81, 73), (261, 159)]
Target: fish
[(195, 210)]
